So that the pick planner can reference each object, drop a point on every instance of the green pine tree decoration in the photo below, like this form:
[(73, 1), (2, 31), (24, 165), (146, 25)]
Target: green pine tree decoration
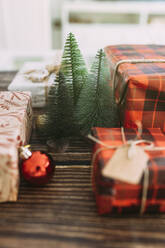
[(59, 124), (73, 66), (96, 106), (59, 119)]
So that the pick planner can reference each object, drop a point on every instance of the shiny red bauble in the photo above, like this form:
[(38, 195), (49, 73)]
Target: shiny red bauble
[(38, 169)]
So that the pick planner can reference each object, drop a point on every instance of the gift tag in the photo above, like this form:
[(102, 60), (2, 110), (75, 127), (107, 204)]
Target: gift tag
[(127, 164)]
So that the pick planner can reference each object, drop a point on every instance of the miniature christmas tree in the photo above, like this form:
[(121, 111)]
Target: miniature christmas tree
[(59, 119), (59, 123), (73, 66), (96, 106), (78, 100)]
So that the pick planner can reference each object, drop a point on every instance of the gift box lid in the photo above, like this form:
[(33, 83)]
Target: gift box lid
[(133, 52), (146, 74), (14, 101), (139, 87)]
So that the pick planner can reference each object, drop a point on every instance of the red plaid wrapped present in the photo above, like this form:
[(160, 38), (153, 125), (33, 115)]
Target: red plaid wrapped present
[(138, 72), (115, 196)]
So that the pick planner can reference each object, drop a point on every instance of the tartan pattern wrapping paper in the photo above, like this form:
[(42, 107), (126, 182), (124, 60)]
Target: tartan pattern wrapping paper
[(113, 196), (140, 88)]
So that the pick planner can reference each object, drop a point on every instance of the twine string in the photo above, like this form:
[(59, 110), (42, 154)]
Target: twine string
[(144, 190), (47, 71), (132, 61), (149, 147)]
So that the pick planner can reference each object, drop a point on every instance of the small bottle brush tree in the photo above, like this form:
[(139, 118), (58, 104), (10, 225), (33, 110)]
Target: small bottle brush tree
[(96, 106), (63, 96), (73, 66), (59, 125), (78, 100)]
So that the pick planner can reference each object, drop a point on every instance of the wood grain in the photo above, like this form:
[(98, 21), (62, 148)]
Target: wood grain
[(63, 213)]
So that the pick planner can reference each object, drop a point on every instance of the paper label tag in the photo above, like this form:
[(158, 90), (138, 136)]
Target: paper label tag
[(127, 164)]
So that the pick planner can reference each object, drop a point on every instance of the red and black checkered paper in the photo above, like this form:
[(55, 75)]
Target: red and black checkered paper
[(113, 196), (140, 88)]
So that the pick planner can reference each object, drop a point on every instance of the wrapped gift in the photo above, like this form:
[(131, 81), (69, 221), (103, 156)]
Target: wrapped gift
[(16, 120), (124, 181), (9, 171), (138, 79), (16, 113), (10, 101), (37, 77), (15, 130)]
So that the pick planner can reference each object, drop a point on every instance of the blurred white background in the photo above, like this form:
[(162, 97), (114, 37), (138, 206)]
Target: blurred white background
[(30, 30)]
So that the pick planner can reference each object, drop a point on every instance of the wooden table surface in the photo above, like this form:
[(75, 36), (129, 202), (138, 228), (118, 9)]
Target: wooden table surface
[(63, 213)]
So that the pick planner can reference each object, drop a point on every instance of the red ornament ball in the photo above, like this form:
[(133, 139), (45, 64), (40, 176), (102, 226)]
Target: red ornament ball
[(38, 168)]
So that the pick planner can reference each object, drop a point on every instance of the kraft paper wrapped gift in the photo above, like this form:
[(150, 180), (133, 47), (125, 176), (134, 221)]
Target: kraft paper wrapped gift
[(9, 171), (138, 79), (16, 113), (115, 195), (15, 130), (24, 81)]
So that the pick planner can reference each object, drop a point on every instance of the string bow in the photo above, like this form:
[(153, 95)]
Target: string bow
[(149, 146)]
